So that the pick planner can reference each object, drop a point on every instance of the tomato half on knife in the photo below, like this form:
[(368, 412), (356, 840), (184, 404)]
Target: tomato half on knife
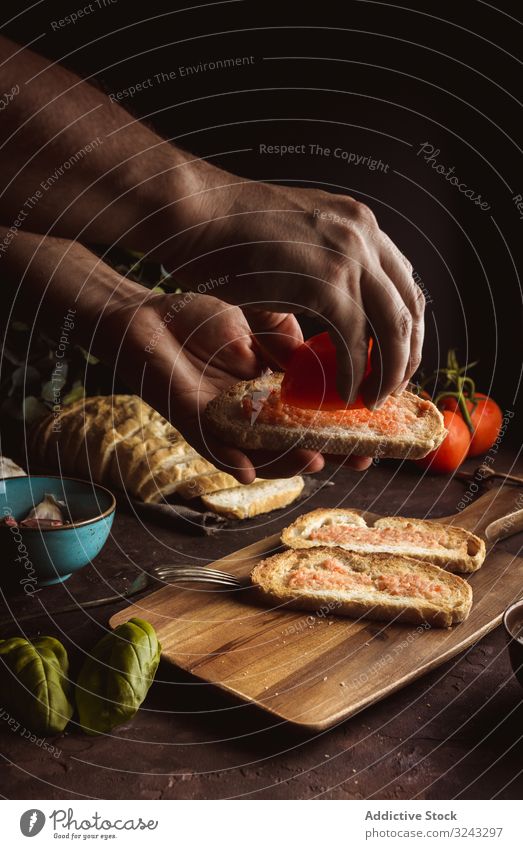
[(310, 377)]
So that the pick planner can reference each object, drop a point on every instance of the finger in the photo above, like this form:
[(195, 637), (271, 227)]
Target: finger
[(277, 335), (245, 467), (359, 464), (399, 269), (226, 458), (349, 335), (390, 249), (391, 325), (300, 461)]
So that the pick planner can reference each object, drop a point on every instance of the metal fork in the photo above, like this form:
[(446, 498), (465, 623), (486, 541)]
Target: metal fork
[(168, 574), (182, 574)]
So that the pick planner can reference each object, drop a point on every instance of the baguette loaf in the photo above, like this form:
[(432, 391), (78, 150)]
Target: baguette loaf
[(244, 502), (251, 415), (120, 441), (391, 588), (450, 547)]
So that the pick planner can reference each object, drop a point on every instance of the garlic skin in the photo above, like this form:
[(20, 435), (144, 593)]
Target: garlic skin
[(48, 513)]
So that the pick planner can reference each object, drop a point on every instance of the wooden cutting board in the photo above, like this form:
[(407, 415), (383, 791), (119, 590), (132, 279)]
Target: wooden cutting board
[(316, 670)]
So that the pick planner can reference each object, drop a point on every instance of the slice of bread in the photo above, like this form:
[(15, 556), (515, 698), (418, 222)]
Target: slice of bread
[(387, 587), (450, 547), (262, 496), (250, 415)]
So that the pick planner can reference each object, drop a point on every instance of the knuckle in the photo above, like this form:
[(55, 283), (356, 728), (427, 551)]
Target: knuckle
[(403, 324), (356, 211), (418, 301), (364, 213)]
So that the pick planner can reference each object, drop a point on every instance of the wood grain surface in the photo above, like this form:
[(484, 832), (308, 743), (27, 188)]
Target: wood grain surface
[(317, 669)]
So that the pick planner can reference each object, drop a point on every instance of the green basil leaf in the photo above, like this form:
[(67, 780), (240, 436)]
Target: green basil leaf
[(34, 686), (116, 678)]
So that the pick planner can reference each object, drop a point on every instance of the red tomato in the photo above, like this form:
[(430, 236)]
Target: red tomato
[(452, 450), (310, 377), (486, 419)]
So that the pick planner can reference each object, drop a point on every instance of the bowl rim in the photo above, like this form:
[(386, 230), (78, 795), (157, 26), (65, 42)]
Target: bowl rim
[(71, 525), (508, 610)]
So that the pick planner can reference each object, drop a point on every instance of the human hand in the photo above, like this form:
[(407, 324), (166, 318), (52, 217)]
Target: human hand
[(202, 348), (279, 249), (176, 351)]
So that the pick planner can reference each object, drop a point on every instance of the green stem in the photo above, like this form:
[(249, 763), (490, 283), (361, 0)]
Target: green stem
[(462, 404)]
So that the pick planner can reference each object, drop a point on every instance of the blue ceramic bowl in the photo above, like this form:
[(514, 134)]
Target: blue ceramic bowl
[(36, 558)]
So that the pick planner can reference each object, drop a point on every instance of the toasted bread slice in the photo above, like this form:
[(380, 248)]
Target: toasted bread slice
[(251, 415), (387, 587), (450, 547), (244, 502)]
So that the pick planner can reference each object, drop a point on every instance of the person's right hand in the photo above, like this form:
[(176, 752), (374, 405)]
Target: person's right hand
[(286, 250)]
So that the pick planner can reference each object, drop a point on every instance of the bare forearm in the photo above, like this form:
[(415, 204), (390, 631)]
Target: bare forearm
[(277, 248), (44, 279), (77, 165)]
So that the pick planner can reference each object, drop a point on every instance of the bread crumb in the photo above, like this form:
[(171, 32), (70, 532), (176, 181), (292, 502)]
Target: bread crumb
[(325, 677)]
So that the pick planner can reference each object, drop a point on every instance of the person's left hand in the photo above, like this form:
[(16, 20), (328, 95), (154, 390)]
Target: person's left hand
[(179, 351)]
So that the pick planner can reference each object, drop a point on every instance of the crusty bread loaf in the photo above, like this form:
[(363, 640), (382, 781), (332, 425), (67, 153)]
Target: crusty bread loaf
[(450, 547), (392, 588), (122, 442), (250, 415), (117, 440), (262, 496)]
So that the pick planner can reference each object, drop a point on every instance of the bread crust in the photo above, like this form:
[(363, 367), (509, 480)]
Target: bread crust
[(259, 497), (268, 576), (205, 484), (224, 415), (465, 552)]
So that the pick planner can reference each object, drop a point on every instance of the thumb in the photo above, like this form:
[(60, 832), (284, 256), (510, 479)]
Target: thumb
[(276, 335)]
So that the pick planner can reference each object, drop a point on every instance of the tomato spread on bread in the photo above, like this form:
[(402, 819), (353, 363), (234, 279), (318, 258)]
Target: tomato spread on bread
[(340, 534), (332, 574), (392, 418)]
